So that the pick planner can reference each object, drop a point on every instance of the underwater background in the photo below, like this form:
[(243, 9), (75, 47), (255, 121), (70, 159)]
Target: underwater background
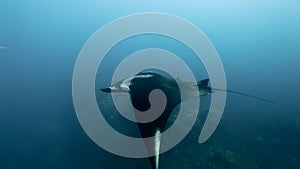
[(257, 41)]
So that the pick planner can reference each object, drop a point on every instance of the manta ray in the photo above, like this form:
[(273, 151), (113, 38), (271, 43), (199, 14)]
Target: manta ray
[(139, 88)]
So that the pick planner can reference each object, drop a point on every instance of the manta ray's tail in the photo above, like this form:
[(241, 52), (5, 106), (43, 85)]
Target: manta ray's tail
[(203, 86), (244, 94)]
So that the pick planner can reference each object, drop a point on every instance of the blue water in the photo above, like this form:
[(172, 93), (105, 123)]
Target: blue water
[(258, 43)]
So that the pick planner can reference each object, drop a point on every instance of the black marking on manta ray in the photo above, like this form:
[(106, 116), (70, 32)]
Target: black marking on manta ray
[(139, 87), (142, 82)]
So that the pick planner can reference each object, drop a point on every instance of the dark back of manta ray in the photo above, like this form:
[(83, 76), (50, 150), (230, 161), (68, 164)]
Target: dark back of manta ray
[(140, 89)]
